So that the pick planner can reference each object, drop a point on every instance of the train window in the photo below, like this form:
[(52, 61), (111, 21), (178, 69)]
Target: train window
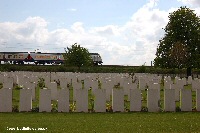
[(10, 56), (15, 56), (21, 56)]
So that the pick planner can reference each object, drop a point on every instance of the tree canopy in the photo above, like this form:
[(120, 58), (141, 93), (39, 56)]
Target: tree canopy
[(77, 56), (180, 46)]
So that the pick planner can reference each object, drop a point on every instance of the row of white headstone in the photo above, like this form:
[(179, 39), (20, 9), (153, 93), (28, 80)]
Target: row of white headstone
[(45, 99), (29, 82)]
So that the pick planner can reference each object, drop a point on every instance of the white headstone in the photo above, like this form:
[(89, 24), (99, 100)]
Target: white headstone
[(189, 80), (135, 100), (118, 100), (45, 100), (169, 100), (87, 83), (152, 100), (177, 91), (31, 86), (167, 84), (180, 83), (100, 100), (81, 100), (1, 78), (63, 100), (142, 83), (132, 86), (53, 87), (47, 80), (63, 83), (198, 99), (6, 100), (195, 84), (108, 87), (186, 100), (76, 86), (25, 100), (184, 81), (8, 83), (155, 86), (94, 85)]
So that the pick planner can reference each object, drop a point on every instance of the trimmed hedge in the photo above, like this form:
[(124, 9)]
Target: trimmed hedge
[(94, 69)]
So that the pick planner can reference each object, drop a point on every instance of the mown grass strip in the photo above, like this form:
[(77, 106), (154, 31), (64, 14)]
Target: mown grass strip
[(103, 122)]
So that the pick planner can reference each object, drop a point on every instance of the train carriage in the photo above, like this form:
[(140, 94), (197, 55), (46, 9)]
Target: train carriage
[(40, 58), (13, 57), (49, 58)]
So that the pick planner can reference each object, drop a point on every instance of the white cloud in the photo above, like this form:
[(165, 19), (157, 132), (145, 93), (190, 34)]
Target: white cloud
[(72, 9), (33, 31), (133, 43), (107, 30), (78, 27), (195, 3), (144, 30)]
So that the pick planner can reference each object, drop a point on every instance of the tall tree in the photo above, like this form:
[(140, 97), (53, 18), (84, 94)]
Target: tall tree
[(178, 55), (77, 56), (180, 46)]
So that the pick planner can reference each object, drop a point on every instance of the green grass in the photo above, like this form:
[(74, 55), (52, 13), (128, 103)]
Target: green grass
[(103, 122)]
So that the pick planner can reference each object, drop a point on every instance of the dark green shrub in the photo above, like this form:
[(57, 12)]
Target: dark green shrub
[(15, 108), (35, 109), (178, 109), (144, 109), (141, 69)]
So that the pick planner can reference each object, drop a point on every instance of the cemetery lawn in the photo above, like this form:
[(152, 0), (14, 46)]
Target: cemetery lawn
[(103, 122)]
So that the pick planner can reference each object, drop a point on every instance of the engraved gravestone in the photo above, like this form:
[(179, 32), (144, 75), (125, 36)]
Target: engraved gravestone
[(25, 100), (6, 100), (169, 100), (100, 100), (81, 100), (45, 100), (118, 100), (186, 100), (135, 100), (63, 100)]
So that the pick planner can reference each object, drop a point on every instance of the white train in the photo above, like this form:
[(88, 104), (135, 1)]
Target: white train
[(39, 58)]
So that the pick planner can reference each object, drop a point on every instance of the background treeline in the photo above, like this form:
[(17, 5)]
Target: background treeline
[(94, 69)]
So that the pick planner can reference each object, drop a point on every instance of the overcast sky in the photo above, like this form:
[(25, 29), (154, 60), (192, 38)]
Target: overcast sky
[(123, 32)]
